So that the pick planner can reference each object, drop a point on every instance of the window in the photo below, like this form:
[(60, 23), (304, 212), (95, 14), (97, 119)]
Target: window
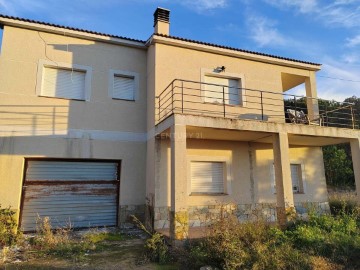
[(123, 85), (297, 178), (215, 86), (124, 88), (63, 83), (61, 80), (207, 177)]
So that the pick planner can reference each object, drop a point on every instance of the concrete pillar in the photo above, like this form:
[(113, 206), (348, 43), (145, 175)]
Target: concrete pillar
[(311, 94), (355, 153), (179, 218), (284, 190)]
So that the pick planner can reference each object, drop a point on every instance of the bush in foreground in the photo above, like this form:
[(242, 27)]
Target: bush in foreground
[(257, 245), (8, 227), (336, 238)]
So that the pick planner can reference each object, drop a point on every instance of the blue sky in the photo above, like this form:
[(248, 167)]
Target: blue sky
[(321, 31)]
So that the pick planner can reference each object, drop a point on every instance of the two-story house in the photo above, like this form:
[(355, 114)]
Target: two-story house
[(96, 127)]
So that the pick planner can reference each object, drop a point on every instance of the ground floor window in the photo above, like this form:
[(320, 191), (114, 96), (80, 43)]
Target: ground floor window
[(207, 177), (297, 177)]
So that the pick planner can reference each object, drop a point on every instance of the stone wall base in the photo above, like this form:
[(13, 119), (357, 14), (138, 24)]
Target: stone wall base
[(206, 214), (126, 211)]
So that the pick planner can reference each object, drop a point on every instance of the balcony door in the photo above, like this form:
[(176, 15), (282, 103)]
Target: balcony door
[(215, 86)]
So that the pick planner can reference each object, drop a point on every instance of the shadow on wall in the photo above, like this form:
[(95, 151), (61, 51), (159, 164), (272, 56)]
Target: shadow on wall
[(58, 107), (315, 183)]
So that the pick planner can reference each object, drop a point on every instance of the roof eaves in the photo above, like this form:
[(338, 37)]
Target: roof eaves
[(70, 28), (237, 49)]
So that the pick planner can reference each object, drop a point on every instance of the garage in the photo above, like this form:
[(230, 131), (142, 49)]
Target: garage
[(76, 193)]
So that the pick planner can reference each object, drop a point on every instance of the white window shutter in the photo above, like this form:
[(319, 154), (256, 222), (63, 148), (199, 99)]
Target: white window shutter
[(207, 177), (63, 83), (124, 88)]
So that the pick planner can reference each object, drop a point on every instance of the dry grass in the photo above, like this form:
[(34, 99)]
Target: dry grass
[(342, 195)]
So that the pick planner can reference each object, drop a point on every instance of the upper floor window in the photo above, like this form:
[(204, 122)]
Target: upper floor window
[(222, 90), (123, 85), (64, 81)]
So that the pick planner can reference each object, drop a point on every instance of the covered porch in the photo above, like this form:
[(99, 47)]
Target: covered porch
[(261, 146)]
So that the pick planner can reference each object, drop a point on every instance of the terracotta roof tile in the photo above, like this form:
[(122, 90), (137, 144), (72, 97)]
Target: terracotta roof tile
[(172, 37), (70, 28)]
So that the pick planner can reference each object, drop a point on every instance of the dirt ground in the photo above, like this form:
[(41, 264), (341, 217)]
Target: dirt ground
[(125, 254)]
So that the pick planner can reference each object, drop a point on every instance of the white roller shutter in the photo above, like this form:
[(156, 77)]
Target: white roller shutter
[(63, 83), (207, 177), (124, 87), (75, 171), (84, 194)]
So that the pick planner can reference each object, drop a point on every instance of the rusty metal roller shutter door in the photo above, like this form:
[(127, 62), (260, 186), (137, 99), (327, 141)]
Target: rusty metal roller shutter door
[(79, 194)]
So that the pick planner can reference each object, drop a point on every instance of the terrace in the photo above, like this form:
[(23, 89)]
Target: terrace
[(206, 99)]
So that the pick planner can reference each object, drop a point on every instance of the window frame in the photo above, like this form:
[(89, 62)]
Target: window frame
[(43, 64), (127, 74), (302, 184), (226, 174)]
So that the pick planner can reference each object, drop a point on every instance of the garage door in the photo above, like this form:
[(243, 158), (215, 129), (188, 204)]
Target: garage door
[(76, 193)]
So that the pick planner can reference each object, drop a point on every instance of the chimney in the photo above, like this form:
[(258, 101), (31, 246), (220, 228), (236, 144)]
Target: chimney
[(161, 21)]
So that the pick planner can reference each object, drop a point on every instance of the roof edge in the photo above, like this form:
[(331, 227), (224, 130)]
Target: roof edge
[(50, 27), (315, 65)]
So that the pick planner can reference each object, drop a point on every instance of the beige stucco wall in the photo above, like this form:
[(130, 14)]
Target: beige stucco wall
[(239, 175), (190, 64), (19, 60), (14, 149), (310, 157), (104, 128), (101, 128)]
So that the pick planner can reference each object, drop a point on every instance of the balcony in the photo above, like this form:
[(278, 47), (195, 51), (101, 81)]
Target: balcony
[(206, 99)]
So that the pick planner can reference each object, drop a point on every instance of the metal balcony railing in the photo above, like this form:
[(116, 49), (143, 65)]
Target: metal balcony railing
[(206, 99)]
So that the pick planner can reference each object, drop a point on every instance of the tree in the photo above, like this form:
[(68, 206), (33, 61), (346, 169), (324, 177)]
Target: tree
[(337, 158), (338, 166)]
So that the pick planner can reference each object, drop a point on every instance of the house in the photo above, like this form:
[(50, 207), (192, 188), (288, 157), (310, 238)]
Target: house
[(96, 127)]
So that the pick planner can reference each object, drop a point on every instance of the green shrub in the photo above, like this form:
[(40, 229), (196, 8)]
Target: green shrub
[(334, 237), (8, 227), (156, 247), (157, 250), (231, 245)]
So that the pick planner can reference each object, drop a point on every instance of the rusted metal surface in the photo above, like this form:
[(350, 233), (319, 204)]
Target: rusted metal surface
[(76, 203)]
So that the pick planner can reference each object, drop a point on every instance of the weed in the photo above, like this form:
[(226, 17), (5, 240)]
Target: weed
[(336, 238), (58, 242), (96, 237), (8, 227), (254, 245), (156, 247)]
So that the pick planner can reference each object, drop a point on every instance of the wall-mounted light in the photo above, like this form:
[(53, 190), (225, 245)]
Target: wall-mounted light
[(220, 69)]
